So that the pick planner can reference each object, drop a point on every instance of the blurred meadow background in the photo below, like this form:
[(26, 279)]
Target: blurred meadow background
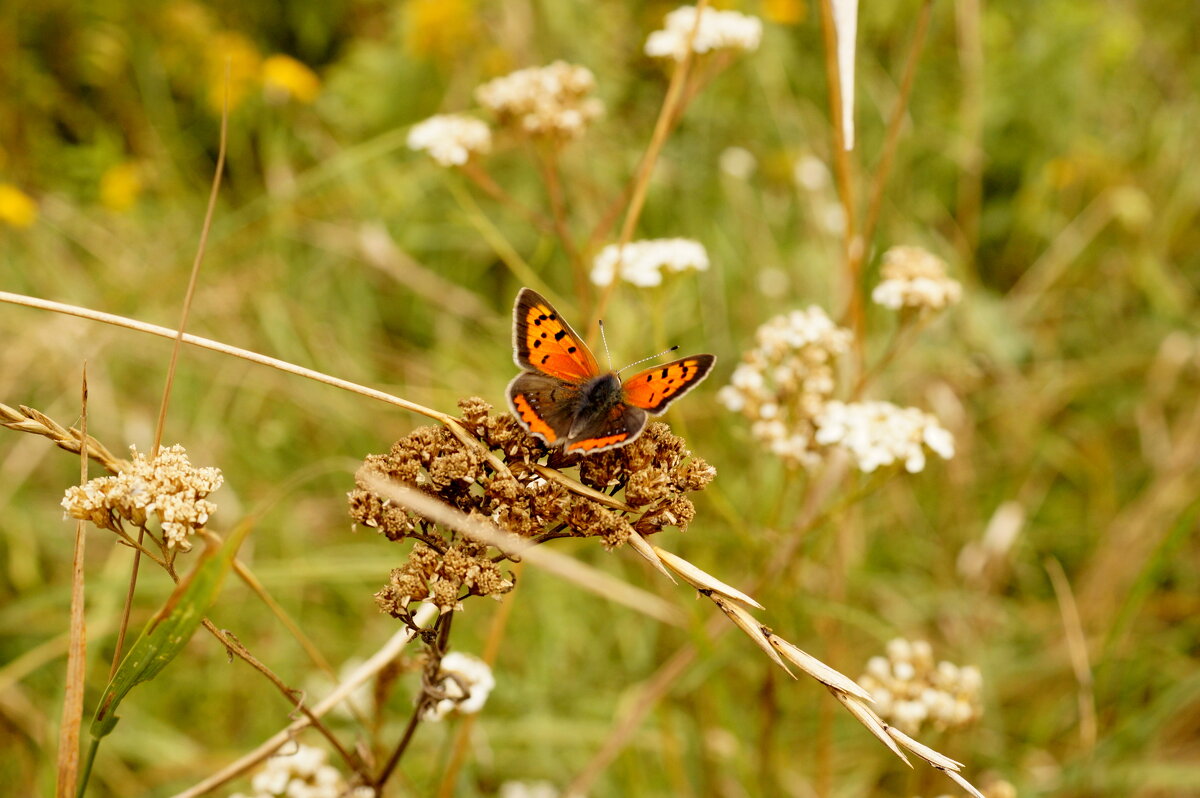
[(1045, 151)]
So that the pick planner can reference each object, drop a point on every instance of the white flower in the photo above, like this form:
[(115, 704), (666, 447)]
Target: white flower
[(549, 100), (881, 433), (811, 173), (302, 773), (737, 162), (910, 688), (527, 789), (467, 681), (915, 278), (719, 30), (450, 139), (786, 379), (643, 262)]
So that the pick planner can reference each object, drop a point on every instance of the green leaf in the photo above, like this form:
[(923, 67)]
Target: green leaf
[(170, 629)]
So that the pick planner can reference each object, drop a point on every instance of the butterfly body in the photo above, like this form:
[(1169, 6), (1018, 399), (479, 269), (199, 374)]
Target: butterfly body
[(562, 397)]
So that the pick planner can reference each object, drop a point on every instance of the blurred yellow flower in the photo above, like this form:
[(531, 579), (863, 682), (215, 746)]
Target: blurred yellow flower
[(234, 50), (785, 12), (286, 78), (16, 207), (439, 28), (120, 186)]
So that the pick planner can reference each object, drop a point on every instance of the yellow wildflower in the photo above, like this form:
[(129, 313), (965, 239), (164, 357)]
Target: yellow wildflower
[(233, 50), (16, 207), (785, 12), (120, 186), (286, 78), (439, 29)]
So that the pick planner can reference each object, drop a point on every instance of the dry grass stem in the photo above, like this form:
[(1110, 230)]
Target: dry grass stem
[(1077, 650), (517, 548), (72, 712), (263, 360), (702, 580), (753, 629), (27, 419), (651, 553), (867, 717), (818, 670), (939, 761), (381, 659), (662, 129), (575, 486)]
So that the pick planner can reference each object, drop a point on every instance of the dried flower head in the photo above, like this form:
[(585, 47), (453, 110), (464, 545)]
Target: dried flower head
[(910, 689), (881, 433), (552, 100), (643, 262), (915, 278), (653, 475), (302, 773), (166, 488), (719, 30), (786, 380), (463, 685), (450, 139)]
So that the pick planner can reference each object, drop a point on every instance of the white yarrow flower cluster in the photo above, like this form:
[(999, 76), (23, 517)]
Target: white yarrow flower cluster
[(467, 682), (166, 488), (527, 789), (719, 30), (783, 382), (549, 100), (915, 278), (302, 774), (450, 139), (643, 262), (881, 433), (910, 689)]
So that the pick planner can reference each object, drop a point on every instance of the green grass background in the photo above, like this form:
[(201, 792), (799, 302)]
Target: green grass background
[(1058, 390)]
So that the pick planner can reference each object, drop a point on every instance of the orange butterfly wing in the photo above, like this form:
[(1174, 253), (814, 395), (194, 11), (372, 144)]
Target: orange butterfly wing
[(655, 388), (544, 342)]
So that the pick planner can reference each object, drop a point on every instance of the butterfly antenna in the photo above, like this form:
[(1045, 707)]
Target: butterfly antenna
[(652, 357), (604, 338)]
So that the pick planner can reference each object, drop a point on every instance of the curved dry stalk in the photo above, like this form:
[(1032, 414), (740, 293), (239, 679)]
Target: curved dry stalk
[(263, 360), (384, 656), (662, 128)]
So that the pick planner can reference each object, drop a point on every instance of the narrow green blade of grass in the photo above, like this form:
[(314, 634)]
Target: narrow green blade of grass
[(170, 628)]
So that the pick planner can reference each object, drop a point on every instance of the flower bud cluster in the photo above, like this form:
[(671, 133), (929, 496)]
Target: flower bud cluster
[(450, 139), (643, 263), (553, 100), (302, 773), (915, 278), (910, 689), (785, 381), (166, 488), (719, 30), (464, 684), (881, 433)]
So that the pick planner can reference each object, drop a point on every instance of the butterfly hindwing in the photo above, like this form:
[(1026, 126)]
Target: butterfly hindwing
[(545, 405), (544, 342), (655, 388), (617, 427)]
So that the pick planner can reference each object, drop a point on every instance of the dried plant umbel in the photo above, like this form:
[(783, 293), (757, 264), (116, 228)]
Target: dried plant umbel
[(532, 498)]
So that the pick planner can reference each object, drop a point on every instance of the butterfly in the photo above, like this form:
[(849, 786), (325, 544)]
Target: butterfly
[(562, 397)]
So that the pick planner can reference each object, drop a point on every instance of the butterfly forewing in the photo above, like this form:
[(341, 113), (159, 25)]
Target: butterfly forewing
[(544, 342), (656, 387)]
